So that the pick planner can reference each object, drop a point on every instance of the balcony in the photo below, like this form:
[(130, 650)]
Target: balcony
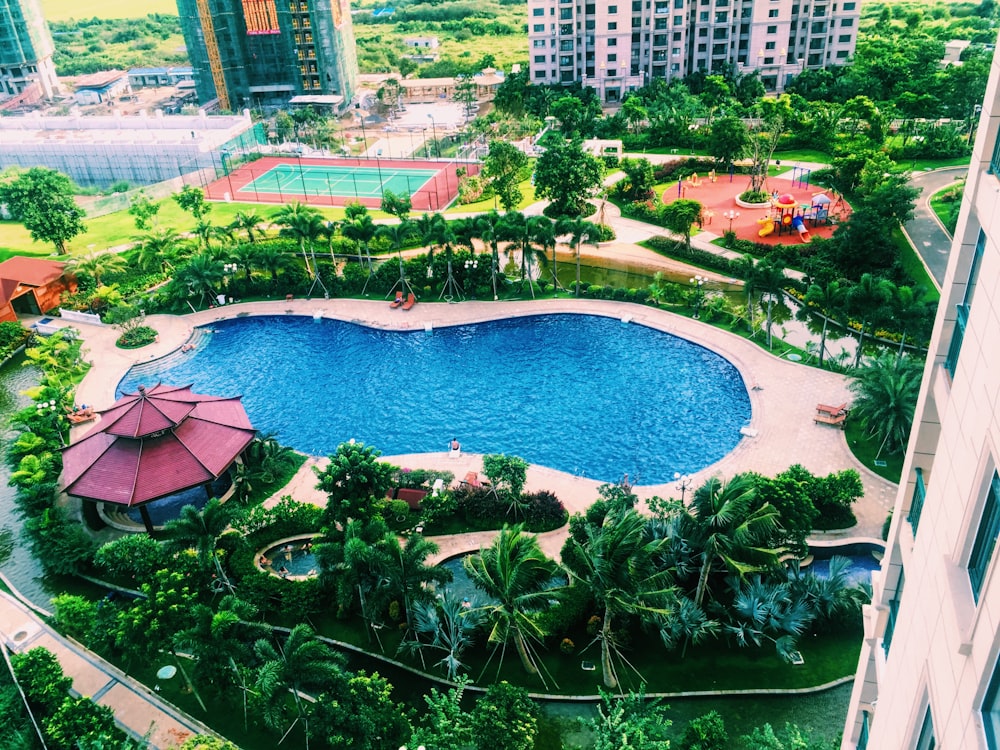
[(917, 503)]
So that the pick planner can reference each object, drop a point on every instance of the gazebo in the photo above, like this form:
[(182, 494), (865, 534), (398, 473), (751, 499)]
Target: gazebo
[(154, 443)]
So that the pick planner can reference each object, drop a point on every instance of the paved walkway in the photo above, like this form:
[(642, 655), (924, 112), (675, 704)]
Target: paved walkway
[(782, 426), (138, 710)]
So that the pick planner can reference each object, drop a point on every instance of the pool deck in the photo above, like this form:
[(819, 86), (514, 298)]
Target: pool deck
[(783, 397)]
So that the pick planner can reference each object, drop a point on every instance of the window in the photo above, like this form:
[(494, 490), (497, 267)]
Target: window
[(845, 22), (721, 16), (612, 42), (590, 25), (769, 45), (567, 76), (566, 28), (678, 4), (538, 12), (612, 26), (843, 38), (925, 740), (769, 61), (538, 27), (703, 48), (703, 16), (659, 40), (675, 52), (565, 14), (702, 32), (612, 9), (917, 503), (538, 43), (772, 29), (773, 13), (849, 6), (662, 8), (660, 24), (539, 74), (678, 20), (566, 45), (589, 9), (539, 58), (890, 624), (636, 6), (986, 538), (718, 49), (612, 58), (841, 54), (566, 60), (962, 318), (720, 33), (678, 36), (991, 710)]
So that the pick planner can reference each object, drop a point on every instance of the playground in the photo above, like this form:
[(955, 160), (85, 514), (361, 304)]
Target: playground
[(431, 185), (797, 211)]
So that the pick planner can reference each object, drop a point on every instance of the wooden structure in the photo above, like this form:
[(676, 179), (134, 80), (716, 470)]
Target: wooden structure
[(31, 286)]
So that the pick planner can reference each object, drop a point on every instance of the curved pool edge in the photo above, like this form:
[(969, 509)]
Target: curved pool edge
[(781, 423)]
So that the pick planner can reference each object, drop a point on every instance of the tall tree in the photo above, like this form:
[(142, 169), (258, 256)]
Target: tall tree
[(42, 200), (502, 168), (730, 531), (828, 300), (679, 215), (246, 221), (617, 562), (192, 200), (514, 573), (886, 398), (201, 530), (579, 231), (354, 480), (302, 223), (566, 175), (97, 264), (157, 248)]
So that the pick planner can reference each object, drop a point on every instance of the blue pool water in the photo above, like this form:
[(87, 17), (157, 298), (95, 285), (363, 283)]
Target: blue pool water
[(168, 508), (583, 394)]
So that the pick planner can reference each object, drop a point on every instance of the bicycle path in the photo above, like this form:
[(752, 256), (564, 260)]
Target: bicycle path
[(139, 712)]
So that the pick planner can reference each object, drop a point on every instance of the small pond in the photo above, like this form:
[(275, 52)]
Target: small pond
[(295, 556)]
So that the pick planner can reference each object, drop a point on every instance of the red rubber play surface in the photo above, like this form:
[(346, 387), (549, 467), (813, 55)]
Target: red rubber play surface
[(432, 185), (719, 198)]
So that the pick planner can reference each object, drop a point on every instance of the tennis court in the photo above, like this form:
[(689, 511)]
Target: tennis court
[(337, 182)]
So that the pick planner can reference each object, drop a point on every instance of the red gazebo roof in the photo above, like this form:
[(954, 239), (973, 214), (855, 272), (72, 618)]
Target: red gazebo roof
[(154, 443)]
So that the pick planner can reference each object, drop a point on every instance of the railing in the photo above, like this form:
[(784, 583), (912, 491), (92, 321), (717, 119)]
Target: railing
[(890, 625), (995, 159), (863, 737), (957, 337), (917, 504)]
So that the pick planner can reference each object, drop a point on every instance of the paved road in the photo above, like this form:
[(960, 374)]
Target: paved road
[(138, 711), (924, 231)]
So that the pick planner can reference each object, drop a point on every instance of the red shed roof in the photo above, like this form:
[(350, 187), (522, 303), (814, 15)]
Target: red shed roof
[(33, 271), (154, 443)]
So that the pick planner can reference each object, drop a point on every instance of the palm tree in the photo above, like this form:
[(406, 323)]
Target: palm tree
[(543, 232), (767, 610), (157, 248), (97, 264), (770, 276), (514, 573), (270, 259), (206, 231), (688, 624), (829, 298), (516, 228), (361, 229), (408, 573), (579, 231), (617, 563), (432, 229), (397, 234), (911, 312), (301, 662), (200, 530), (202, 274), (729, 531), (244, 256), (488, 230), (887, 398), (746, 268), (246, 221), (868, 300), (303, 224), (448, 625)]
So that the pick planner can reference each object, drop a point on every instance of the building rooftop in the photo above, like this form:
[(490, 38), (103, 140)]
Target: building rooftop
[(99, 80), (205, 132)]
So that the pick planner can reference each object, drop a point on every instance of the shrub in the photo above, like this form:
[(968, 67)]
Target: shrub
[(542, 511), (567, 646), (605, 233), (75, 616), (136, 338), (755, 196), (41, 677), (135, 556)]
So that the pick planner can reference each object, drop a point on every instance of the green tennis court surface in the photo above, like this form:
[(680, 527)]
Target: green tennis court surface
[(359, 182)]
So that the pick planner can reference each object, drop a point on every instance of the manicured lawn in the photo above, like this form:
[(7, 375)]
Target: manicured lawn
[(926, 164), (914, 267), (865, 448), (805, 154), (527, 198)]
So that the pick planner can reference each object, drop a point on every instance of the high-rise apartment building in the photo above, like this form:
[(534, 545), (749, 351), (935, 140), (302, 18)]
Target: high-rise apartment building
[(929, 672), (251, 53), (25, 51), (616, 48)]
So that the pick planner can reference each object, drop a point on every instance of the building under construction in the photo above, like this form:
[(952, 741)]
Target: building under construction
[(262, 53), (26, 71)]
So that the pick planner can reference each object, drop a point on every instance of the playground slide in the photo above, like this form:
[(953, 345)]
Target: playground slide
[(766, 226), (800, 226)]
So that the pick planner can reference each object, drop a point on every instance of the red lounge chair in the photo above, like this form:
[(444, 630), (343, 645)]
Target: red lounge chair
[(410, 301), (832, 411), (398, 301), (836, 420)]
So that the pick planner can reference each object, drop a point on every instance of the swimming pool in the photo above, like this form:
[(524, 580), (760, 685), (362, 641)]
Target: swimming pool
[(583, 394)]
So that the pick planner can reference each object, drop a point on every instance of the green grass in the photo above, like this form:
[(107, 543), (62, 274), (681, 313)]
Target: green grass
[(61, 10), (914, 267), (804, 154), (865, 448), (488, 204), (926, 164)]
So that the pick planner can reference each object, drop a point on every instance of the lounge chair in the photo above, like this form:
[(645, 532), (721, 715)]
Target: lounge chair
[(472, 480), (835, 419), (398, 301), (410, 301), (832, 411), (79, 417)]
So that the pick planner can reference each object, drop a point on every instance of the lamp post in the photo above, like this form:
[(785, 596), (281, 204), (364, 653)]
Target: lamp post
[(683, 482), (229, 269), (378, 163), (471, 264), (698, 282), (437, 145), (731, 214)]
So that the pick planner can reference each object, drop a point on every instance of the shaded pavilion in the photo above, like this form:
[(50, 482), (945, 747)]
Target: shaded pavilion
[(154, 443)]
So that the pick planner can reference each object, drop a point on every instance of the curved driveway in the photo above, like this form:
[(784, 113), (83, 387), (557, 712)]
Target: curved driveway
[(924, 231)]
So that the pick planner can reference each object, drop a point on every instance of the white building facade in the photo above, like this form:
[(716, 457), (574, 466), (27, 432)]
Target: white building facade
[(616, 46), (929, 671)]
